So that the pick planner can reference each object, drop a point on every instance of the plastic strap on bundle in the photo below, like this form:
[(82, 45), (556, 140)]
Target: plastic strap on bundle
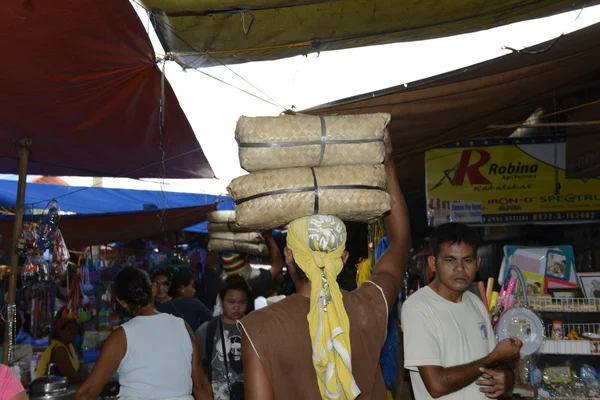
[(316, 209), (305, 189), (323, 144)]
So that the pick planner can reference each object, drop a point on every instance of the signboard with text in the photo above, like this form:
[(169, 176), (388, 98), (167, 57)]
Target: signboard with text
[(507, 181)]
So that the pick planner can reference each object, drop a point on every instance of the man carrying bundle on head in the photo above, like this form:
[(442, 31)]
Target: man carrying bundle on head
[(320, 343)]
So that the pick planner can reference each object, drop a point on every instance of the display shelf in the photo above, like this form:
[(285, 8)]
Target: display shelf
[(547, 304), (524, 391), (567, 398), (568, 347), (580, 328)]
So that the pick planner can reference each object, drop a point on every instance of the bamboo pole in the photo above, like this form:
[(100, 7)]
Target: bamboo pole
[(24, 150)]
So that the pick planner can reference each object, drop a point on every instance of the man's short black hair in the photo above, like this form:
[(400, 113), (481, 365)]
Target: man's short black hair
[(453, 233), (235, 282)]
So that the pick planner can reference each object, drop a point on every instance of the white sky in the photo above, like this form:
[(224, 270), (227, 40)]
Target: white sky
[(213, 108)]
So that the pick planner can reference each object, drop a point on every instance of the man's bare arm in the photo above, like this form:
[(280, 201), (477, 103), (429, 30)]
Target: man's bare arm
[(441, 381), (276, 258), (201, 388), (256, 382), (390, 267)]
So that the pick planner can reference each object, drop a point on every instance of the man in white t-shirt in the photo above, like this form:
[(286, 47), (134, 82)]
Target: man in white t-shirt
[(449, 346)]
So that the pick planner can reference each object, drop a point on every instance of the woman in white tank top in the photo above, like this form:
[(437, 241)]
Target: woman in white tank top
[(155, 355)]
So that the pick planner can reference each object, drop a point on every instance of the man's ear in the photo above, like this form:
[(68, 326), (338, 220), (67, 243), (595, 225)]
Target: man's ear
[(154, 289), (345, 257), (431, 263), (478, 262), (288, 256)]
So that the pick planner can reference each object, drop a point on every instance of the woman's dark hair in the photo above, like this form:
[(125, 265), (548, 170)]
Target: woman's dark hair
[(133, 286), (183, 277), (452, 233), (234, 282)]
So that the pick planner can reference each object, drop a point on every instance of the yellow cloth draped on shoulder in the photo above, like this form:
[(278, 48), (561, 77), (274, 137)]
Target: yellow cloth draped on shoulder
[(318, 243)]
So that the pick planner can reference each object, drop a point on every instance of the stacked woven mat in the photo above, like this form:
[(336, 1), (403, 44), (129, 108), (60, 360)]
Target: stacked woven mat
[(225, 235), (302, 165)]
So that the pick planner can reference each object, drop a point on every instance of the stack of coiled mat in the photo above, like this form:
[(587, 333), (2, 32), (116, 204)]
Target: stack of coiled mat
[(303, 165), (225, 236)]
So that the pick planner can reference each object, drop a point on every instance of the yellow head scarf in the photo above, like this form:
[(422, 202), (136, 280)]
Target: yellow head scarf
[(318, 243)]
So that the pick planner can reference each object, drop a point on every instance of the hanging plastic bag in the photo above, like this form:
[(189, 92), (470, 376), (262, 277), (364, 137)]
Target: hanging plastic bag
[(36, 266), (27, 240), (60, 256), (48, 226)]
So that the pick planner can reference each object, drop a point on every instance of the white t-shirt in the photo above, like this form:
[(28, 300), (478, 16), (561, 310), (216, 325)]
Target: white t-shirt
[(440, 332)]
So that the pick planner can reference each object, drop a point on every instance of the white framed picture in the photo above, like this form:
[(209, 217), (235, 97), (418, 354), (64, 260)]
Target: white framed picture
[(590, 283)]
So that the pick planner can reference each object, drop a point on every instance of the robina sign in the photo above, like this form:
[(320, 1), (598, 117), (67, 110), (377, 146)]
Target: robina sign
[(507, 181)]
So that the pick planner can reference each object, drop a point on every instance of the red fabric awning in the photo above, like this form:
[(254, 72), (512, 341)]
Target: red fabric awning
[(80, 231), (79, 78)]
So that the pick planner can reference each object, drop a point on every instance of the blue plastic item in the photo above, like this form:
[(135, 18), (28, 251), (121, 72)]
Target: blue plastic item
[(90, 356)]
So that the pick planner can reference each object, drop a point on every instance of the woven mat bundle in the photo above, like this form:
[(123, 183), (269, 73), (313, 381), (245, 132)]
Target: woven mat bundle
[(221, 217), (292, 141), (270, 199), (223, 221), (243, 242)]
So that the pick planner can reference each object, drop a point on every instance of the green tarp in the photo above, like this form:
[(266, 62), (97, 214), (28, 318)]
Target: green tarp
[(202, 33)]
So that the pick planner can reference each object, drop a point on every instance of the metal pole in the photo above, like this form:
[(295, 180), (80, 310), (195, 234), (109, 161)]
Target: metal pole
[(24, 150)]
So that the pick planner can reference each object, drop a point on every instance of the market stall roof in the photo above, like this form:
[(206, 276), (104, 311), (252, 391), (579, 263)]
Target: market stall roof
[(100, 200), (203, 33), (80, 79), (88, 230), (463, 104)]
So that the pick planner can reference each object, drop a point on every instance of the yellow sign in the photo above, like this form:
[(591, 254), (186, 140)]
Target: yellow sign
[(507, 181)]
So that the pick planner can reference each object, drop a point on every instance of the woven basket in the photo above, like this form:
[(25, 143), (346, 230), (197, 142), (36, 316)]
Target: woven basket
[(292, 141), (273, 198), (250, 243), (225, 227), (221, 217), (240, 237)]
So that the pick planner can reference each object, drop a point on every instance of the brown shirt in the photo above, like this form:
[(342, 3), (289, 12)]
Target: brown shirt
[(280, 336)]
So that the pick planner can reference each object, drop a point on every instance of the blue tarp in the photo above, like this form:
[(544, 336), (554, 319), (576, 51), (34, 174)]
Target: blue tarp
[(98, 200)]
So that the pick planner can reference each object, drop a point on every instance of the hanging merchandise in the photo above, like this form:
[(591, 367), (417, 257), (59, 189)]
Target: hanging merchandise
[(79, 303), (48, 226), (42, 309), (514, 319), (36, 267), (44, 237), (27, 241), (377, 245), (60, 256)]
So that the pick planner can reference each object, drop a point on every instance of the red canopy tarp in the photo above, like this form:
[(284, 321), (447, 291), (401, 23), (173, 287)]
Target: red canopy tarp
[(463, 104), (88, 230), (79, 78)]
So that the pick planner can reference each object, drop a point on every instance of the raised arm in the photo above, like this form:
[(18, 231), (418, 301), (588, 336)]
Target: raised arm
[(276, 258), (389, 271)]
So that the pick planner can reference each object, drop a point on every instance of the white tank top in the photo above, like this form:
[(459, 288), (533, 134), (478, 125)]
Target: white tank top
[(158, 361)]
